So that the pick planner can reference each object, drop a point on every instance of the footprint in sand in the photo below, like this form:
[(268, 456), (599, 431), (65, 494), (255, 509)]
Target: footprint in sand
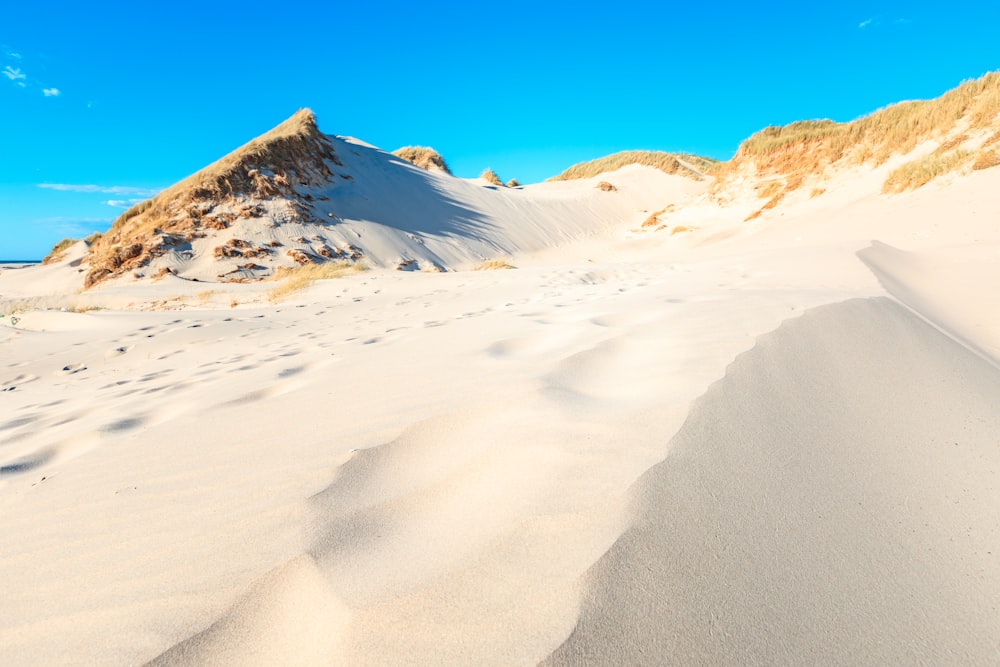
[(15, 423), (118, 351), (123, 425), (14, 383), (25, 464)]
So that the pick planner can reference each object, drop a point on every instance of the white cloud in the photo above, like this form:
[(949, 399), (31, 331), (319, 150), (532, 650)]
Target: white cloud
[(864, 24), (50, 92), (13, 73), (124, 203), (121, 190)]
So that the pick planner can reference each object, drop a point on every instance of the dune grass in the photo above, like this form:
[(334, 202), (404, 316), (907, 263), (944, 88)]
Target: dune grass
[(916, 173), (494, 265), (424, 157), (491, 177), (270, 165), (58, 251), (297, 278), (807, 146), (769, 189), (986, 160), (669, 163)]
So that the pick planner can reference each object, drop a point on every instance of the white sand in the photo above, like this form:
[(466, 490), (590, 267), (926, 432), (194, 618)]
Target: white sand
[(615, 454)]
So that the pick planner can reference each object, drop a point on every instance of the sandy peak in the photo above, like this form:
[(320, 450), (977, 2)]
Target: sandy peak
[(293, 153)]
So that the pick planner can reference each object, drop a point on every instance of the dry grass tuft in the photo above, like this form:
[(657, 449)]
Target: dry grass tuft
[(808, 147), (604, 186), (670, 163), (298, 278), (769, 189), (494, 265), (513, 183), (491, 177), (58, 251), (773, 201), (424, 157), (164, 271), (292, 154), (680, 229), (816, 192), (986, 160), (916, 173), (951, 144)]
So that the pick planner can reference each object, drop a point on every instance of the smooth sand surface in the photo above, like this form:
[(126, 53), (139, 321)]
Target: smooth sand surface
[(832, 500), (766, 443)]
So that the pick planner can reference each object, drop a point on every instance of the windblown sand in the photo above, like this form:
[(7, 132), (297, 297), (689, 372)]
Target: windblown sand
[(754, 444)]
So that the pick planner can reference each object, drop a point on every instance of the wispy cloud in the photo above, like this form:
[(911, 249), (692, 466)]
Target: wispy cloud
[(120, 190), (879, 21), (14, 73), (124, 203)]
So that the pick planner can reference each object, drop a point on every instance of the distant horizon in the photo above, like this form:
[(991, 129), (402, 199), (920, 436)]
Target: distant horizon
[(99, 119)]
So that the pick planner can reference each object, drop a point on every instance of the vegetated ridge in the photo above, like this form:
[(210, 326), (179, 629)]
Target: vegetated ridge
[(683, 164), (491, 177), (785, 158), (295, 153), (271, 177), (424, 157)]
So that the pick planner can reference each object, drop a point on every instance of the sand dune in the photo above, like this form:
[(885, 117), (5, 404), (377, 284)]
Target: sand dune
[(834, 496), (729, 441)]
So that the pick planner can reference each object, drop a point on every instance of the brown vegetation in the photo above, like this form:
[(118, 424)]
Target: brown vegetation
[(604, 186), (986, 160), (916, 173), (58, 251), (164, 271), (669, 163), (426, 158), (491, 177), (493, 265), (298, 278), (295, 153), (239, 248), (299, 256), (807, 148), (513, 183)]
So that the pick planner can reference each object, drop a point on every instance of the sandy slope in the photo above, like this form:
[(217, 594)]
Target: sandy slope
[(831, 500), (558, 463)]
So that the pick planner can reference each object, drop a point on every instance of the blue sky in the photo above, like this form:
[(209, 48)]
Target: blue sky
[(102, 104)]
